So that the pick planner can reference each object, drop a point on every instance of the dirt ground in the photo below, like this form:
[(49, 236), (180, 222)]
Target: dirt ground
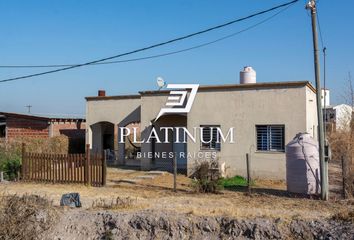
[(149, 209), (268, 198)]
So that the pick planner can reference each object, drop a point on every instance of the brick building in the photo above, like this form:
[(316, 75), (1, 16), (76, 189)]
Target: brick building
[(14, 126)]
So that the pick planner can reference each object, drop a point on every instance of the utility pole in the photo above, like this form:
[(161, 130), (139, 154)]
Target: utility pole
[(311, 5), (324, 93), (29, 108)]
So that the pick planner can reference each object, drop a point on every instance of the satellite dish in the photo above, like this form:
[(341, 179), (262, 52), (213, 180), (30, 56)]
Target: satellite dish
[(160, 82)]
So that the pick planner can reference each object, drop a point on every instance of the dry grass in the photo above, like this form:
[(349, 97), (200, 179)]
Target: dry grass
[(268, 198), (114, 204), (342, 146), (57, 144), (345, 215), (25, 217)]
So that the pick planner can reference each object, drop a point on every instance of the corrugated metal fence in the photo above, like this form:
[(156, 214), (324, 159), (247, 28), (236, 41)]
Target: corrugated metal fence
[(85, 168)]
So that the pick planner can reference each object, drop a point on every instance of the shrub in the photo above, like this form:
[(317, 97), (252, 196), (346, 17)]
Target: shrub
[(235, 181), (11, 168), (10, 162), (11, 152), (206, 177)]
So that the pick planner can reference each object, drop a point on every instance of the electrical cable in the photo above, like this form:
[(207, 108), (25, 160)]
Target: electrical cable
[(151, 46), (319, 29), (157, 55)]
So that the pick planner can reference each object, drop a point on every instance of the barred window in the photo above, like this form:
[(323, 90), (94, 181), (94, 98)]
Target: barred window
[(211, 138), (270, 138)]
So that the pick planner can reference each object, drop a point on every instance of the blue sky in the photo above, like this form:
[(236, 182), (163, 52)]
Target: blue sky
[(66, 31)]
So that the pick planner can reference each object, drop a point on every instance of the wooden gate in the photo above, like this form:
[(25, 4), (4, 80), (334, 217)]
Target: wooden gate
[(85, 168)]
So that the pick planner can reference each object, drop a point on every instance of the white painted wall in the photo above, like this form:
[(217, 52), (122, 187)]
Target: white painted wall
[(243, 109)]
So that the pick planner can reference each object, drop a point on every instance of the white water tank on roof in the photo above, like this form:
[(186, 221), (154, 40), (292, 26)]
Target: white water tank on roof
[(247, 75), (303, 165)]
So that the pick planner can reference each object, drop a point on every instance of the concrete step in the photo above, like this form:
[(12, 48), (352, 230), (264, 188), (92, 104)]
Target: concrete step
[(158, 173), (145, 177), (129, 180)]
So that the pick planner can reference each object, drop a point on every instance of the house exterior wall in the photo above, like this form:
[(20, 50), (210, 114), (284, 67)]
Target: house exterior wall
[(311, 113), (119, 112), (294, 107), (69, 129), (150, 107), (291, 106), (243, 110), (19, 128)]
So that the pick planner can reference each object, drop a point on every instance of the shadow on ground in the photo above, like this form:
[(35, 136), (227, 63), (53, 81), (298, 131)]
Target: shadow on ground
[(268, 191)]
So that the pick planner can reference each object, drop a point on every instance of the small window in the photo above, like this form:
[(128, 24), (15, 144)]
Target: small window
[(211, 138), (270, 138)]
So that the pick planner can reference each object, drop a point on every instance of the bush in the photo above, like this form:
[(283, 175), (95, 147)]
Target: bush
[(11, 152), (10, 163), (11, 168), (207, 177), (236, 181)]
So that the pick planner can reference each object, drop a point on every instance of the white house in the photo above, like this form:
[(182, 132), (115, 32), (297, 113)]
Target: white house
[(338, 117), (264, 118)]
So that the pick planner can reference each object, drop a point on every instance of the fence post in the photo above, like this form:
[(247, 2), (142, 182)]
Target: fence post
[(344, 176), (87, 165), (248, 173), (104, 167), (23, 161), (175, 173)]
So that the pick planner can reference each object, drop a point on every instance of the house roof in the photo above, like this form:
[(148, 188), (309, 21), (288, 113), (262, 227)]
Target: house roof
[(343, 105), (42, 117), (136, 96), (265, 85)]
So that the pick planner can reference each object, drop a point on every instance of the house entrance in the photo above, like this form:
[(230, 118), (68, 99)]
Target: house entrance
[(180, 150)]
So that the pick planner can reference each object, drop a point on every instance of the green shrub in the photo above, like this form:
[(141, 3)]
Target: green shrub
[(10, 164), (235, 181), (11, 168)]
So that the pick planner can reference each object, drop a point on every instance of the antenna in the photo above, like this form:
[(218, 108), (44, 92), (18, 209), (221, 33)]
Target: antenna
[(160, 82), (29, 108)]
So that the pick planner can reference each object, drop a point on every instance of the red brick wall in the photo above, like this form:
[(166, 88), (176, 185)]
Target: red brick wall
[(75, 131), (69, 129), (17, 128)]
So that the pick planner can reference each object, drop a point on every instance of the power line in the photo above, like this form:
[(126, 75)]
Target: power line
[(152, 46), (319, 29), (157, 55)]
